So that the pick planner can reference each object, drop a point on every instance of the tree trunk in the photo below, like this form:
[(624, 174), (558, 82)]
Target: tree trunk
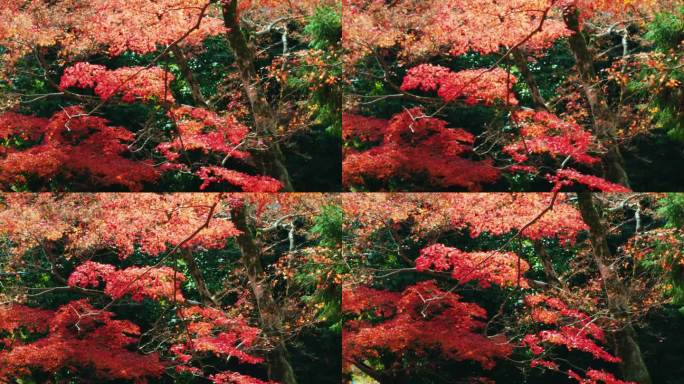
[(605, 122), (189, 77), (377, 376), (520, 60), (626, 347), (279, 368), (265, 119), (550, 272), (196, 274)]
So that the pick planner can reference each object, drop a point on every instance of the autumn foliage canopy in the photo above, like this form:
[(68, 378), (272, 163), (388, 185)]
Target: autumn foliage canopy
[(436, 277), (129, 297), (176, 75), (480, 71)]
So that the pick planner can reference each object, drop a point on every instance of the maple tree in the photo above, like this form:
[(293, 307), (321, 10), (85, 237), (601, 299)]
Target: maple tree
[(465, 287), (215, 104), (166, 288), (540, 93)]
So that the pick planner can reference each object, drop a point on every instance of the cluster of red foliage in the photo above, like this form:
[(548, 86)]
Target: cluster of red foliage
[(204, 131), (543, 132), (139, 26), (19, 316), (422, 317), (473, 213), (502, 213), (564, 177), (138, 282), (133, 83), (487, 268), (480, 86), (594, 376), (576, 331), (247, 183), (167, 222), (74, 145), (28, 128), (362, 128), (150, 223), (75, 335), (208, 133), (236, 378), (455, 25), (212, 331), (149, 24), (414, 145)]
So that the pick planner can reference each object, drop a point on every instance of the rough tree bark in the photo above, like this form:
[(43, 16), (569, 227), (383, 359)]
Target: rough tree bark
[(265, 118), (189, 76), (196, 273), (626, 347), (520, 60), (386, 377), (279, 368), (605, 122), (547, 263)]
